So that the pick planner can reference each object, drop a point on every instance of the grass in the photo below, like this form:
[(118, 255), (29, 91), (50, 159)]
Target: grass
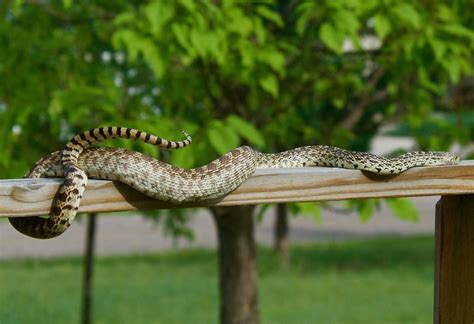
[(382, 280)]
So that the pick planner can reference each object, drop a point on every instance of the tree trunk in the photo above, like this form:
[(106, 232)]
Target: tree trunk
[(281, 244), (237, 265), (88, 268)]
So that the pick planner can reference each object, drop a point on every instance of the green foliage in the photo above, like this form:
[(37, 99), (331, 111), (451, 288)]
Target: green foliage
[(230, 40), (403, 209), (437, 132), (273, 74), (223, 139), (365, 208), (246, 130), (306, 209)]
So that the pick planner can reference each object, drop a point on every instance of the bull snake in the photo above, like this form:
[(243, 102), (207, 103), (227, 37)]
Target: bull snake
[(78, 161)]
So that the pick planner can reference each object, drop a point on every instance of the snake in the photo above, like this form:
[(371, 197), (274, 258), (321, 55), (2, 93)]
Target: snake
[(80, 160)]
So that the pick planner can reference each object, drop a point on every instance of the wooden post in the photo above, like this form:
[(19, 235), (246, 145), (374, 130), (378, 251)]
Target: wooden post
[(87, 289), (454, 265)]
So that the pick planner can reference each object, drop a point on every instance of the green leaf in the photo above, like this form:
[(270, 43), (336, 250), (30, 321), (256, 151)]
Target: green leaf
[(181, 34), (129, 39), (356, 41), (246, 130), (453, 68), (274, 58), (382, 26), (262, 208), (458, 30), (345, 20), (153, 57), (238, 22), (269, 83), (445, 13), (271, 15), (305, 10), (124, 18), (306, 209), (309, 209), (247, 54), (222, 138), (198, 43), (158, 14), (427, 82), (408, 44), (403, 208), (331, 37), (137, 44), (408, 14), (366, 209), (190, 5), (259, 30), (439, 48)]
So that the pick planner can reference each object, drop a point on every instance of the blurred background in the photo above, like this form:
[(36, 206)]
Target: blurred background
[(381, 76)]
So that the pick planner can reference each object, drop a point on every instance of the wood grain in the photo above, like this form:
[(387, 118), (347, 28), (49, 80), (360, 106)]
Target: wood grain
[(454, 267), (26, 197)]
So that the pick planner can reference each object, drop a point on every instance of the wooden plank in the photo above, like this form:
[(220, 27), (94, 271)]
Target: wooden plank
[(454, 273), (26, 197)]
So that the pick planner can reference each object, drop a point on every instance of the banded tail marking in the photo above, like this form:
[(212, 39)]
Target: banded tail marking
[(81, 141)]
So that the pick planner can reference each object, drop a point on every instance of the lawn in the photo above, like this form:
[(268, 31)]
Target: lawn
[(382, 280)]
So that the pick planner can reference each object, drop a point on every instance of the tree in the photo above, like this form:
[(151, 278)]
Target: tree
[(273, 74)]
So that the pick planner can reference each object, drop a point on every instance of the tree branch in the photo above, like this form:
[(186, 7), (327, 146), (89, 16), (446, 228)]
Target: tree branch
[(357, 110)]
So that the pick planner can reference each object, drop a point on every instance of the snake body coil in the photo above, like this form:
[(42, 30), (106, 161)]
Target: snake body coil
[(160, 180)]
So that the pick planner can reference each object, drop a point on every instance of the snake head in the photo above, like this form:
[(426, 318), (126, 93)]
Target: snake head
[(447, 158)]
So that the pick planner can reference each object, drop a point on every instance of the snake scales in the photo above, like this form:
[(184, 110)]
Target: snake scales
[(78, 161)]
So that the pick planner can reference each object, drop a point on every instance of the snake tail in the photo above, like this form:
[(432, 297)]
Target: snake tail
[(78, 143)]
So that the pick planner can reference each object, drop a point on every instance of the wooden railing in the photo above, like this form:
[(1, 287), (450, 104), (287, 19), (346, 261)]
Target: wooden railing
[(454, 267)]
